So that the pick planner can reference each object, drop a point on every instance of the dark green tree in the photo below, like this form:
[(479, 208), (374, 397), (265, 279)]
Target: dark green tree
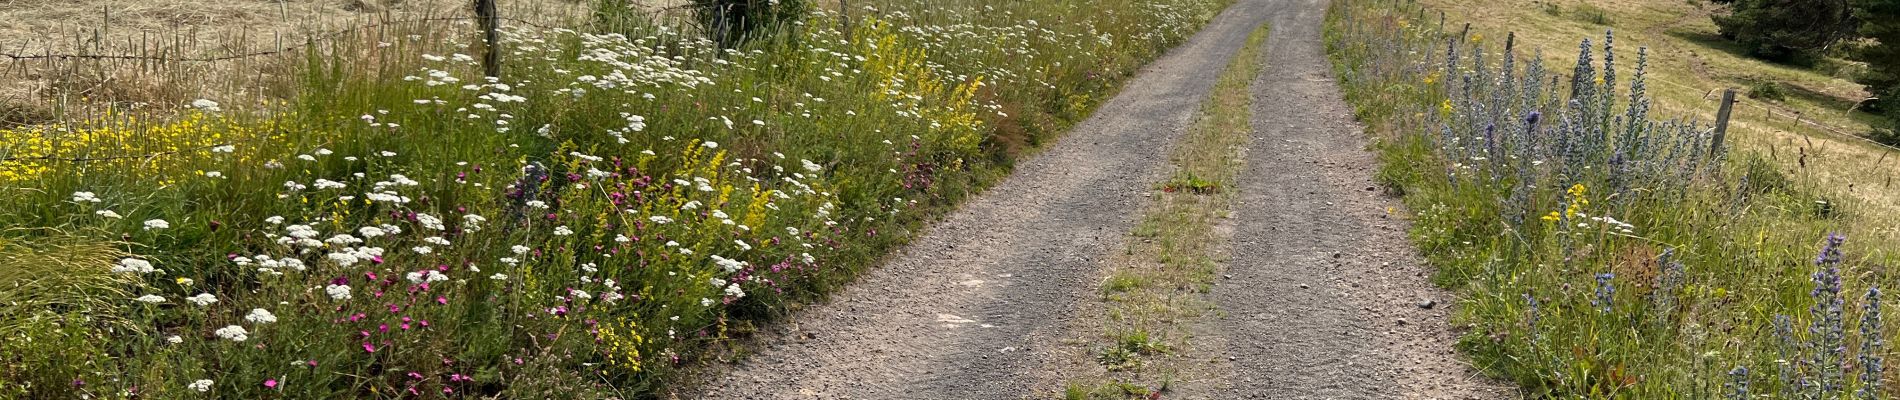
[(730, 22), (1786, 30), (1880, 32), (1880, 25)]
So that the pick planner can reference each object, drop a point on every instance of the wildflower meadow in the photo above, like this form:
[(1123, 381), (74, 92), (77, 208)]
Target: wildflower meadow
[(610, 212), (1601, 250)]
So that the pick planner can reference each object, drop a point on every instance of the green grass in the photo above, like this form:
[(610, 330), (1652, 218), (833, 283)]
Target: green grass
[(1155, 288), (1693, 63), (549, 234), (1575, 307)]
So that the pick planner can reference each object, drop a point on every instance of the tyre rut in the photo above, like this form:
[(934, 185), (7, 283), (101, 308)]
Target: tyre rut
[(1324, 294), (973, 307)]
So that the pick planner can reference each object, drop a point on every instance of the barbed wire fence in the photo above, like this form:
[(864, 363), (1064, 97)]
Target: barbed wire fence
[(483, 10), (486, 16)]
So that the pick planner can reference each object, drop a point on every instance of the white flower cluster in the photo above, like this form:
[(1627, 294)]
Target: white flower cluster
[(133, 265), (260, 316), (338, 292), (233, 333)]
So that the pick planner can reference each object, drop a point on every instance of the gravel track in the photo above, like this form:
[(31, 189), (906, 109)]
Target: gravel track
[(1325, 296), (976, 307), (972, 308)]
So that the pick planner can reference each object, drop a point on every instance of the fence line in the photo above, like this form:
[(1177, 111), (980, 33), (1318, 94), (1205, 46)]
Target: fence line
[(331, 35), (640, 9), (1771, 112)]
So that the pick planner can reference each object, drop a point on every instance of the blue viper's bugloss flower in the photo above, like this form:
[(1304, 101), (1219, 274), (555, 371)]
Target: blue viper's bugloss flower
[(1605, 291), (1670, 275), (1738, 383), (1788, 367), (1826, 336), (1530, 321), (1871, 364)]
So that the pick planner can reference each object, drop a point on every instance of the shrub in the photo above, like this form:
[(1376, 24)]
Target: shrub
[(1767, 90), (1590, 13), (731, 22), (1786, 30)]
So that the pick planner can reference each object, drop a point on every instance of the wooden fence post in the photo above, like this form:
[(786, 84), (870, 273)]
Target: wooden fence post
[(490, 22), (1721, 121)]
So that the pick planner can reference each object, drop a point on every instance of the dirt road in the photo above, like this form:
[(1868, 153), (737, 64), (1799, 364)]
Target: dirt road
[(975, 307), (1326, 298)]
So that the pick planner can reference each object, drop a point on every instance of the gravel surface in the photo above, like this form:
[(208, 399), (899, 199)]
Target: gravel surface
[(976, 307), (1326, 295), (972, 308)]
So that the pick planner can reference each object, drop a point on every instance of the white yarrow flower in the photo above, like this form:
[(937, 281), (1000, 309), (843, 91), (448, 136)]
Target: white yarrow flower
[(201, 385), (338, 292), (233, 333), (202, 299), (157, 224), (133, 265), (260, 316), (206, 105)]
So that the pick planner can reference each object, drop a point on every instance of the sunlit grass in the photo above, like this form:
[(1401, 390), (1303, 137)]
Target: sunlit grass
[(587, 225), (1599, 259)]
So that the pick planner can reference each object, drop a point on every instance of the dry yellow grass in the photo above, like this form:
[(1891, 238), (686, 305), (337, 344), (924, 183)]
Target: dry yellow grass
[(34, 89), (66, 27), (1688, 66)]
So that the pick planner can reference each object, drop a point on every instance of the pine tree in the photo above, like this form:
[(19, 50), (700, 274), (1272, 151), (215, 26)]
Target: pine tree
[(1786, 30)]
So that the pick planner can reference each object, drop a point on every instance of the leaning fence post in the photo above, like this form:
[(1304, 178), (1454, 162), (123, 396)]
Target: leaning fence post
[(1721, 121), (490, 23)]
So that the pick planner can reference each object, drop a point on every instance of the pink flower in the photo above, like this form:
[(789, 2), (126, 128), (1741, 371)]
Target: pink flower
[(270, 383), (369, 348), (441, 300)]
